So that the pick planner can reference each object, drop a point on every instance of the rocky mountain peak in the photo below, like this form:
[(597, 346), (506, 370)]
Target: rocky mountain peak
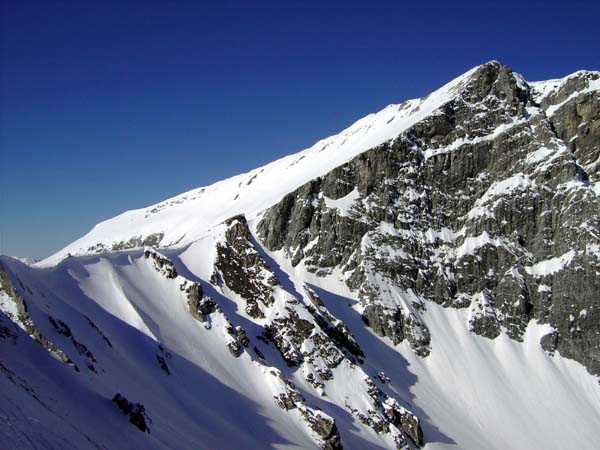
[(497, 79), (462, 209), (392, 286)]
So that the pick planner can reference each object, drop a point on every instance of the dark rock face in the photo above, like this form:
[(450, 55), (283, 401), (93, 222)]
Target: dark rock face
[(322, 424), (387, 413), (325, 427), (199, 305), (135, 411), (308, 337), (334, 328), (288, 333), (242, 268), (63, 329), (488, 204), (162, 264), (24, 319), (574, 110)]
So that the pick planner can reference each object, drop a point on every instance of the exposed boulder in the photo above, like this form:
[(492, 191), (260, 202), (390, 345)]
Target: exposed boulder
[(134, 411)]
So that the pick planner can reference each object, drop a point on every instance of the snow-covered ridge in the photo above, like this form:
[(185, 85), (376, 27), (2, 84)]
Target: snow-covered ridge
[(186, 217), (542, 90)]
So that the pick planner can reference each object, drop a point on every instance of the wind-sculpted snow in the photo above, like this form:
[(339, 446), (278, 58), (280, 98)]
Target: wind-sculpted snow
[(283, 360), (427, 277)]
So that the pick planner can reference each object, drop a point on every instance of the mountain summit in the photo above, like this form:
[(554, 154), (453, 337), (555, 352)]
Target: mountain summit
[(426, 277)]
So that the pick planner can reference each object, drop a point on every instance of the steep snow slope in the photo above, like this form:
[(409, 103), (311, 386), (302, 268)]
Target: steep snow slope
[(473, 392), (470, 392), (133, 322)]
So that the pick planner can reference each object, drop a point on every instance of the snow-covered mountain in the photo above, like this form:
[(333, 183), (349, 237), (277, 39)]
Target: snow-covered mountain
[(429, 276)]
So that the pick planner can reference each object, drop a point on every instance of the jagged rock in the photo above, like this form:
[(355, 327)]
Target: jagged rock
[(234, 348), (199, 305), (387, 416), (483, 320), (243, 269), (474, 198), (162, 264), (290, 398), (384, 322), (575, 115), (325, 427), (163, 364), (233, 345), (241, 336), (63, 329), (549, 342), (288, 333), (404, 419), (373, 391), (135, 411), (513, 301), (335, 329), (392, 323), (24, 319)]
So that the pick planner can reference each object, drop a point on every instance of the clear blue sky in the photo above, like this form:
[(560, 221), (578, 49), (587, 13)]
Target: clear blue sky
[(113, 105)]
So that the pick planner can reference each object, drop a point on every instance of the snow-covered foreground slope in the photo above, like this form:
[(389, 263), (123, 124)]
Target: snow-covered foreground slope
[(470, 392), (129, 319), (426, 278)]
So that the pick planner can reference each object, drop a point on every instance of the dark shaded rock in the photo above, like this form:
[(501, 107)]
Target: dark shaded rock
[(325, 427), (242, 338), (288, 333), (384, 323), (234, 348), (575, 115), (199, 305), (25, 319), (162, 264), (335, 329), (258, 353), (462, 205), (63, 329), (291, 398), (342, 336), (392, 323), (135, 411), (549, 342), (93, 325), (243, 269), (163, 364), (483, 320), (513, 301)]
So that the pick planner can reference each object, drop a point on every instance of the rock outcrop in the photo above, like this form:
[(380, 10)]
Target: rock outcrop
[(134, 411), (489, 203)]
